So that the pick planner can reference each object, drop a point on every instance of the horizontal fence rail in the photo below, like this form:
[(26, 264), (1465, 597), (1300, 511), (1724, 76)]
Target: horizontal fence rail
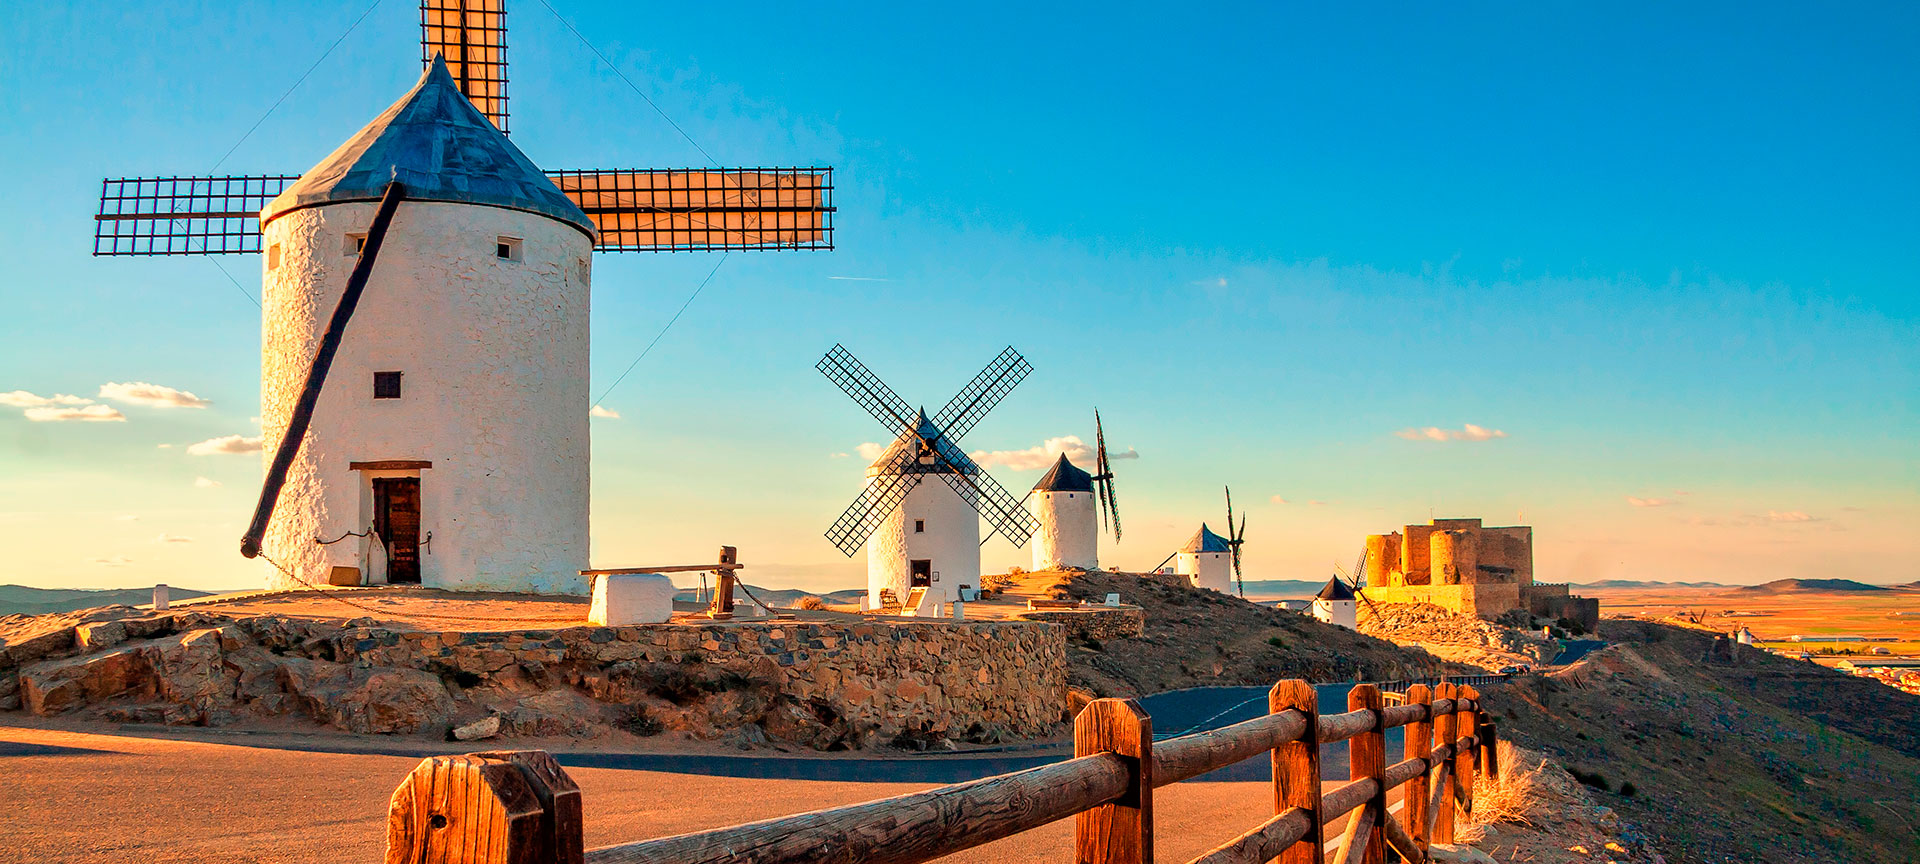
[(520, 806)]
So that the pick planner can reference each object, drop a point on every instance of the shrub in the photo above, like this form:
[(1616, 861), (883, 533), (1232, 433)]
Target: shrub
[(1590, 778), (1276, 642), (1513, 795), (1626, 789), (810, 602)]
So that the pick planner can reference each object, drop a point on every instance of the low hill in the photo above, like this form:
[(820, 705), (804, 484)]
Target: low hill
[(1748, 758), (1283, 588), (781, 598), (23, 600), (1806, 586), (1635, 583), (1195, 637)]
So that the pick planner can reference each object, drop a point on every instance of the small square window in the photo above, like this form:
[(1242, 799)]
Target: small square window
[(507, 248), (919, 526), (273, 257), (386, 385), (356, 243)]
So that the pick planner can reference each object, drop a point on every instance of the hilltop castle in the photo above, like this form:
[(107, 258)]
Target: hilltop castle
[(1467, 568)]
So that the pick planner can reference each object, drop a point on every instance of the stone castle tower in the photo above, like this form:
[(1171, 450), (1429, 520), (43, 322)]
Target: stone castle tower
[(1069, 532), (453, 425)]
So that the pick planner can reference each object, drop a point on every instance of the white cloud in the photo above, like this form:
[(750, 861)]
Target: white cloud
[(870, 451), (1649, 502), (204, 483), (839, 456), (1789, 516), (225, 444), (23, 399), (603, 411), (1278, 500), (172, 538), (112, 561), (89, 414), (1466, 432), (1043, 455), (152, 395)]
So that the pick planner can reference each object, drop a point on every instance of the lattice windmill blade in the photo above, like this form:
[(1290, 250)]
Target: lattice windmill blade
[(1109, 502), (866, 388), (705, 209), (1359, 568), (966, 408), (1001, 509), (881, 497), (472, 36), (183, 215)]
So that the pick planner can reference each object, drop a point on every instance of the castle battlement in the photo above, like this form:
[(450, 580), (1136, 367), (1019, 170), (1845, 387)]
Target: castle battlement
[(1469, 568)]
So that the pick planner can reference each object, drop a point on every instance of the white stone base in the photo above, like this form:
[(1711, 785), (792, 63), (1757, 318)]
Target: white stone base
[(631, 598)]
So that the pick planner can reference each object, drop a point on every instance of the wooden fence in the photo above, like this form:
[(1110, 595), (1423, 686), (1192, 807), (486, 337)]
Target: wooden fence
[(519, 806)]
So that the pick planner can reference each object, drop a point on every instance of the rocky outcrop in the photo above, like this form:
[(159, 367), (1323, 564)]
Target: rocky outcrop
[(813, 684)]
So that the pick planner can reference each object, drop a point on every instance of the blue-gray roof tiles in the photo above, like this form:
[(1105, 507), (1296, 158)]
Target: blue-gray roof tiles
[(441, 148)]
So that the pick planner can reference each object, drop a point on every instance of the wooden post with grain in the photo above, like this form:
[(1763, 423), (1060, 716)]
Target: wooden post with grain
[(502, 807), (1443, 736), (1466, 723), (1296, 769), (1419, 745), (1120, 832), (1367, 762)]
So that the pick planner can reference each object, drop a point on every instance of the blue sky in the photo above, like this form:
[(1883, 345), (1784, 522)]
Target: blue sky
[(1669, 253)]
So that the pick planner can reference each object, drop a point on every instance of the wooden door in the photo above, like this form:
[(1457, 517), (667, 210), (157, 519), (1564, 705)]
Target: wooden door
[(396, 517)]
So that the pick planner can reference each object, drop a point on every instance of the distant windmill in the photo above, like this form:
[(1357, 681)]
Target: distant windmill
[(1064, 502), (1357, 579), (457, 429), (1236, 538), (923, 543), (1209, 560)]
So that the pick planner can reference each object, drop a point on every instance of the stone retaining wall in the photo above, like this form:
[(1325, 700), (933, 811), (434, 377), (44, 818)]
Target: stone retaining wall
[(1098, 623), (827, 685)]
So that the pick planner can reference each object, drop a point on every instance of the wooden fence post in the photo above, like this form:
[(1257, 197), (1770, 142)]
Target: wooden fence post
[(1489, 747), (1443, 728), (494, 808), (1296, 769), (1367, 759), (1120, 832), (1463, 767), (1419, 745)]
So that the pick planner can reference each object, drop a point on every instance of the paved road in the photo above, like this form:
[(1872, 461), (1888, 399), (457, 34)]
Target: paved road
[(1571, 650)]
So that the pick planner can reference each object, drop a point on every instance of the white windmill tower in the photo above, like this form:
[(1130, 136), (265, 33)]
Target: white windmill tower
[(923, 539), (1335, 605), (1064, 502), (452, 449), (1209, 560)]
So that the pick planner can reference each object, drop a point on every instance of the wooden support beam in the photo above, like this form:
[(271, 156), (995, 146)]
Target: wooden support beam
[(1296, 769), (1264, 843), (1357, 845), (1190, 756), (1419, 745), (485, 807), (1119, 832), (1399, 841), (1443, 735), (1367, 759), (1441, 785)]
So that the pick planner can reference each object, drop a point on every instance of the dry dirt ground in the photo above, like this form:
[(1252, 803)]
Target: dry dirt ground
[(1775, 616), (1459, 638), (1757, 759)]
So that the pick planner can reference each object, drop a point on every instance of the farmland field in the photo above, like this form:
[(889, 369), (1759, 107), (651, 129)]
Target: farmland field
[(1775, 617)]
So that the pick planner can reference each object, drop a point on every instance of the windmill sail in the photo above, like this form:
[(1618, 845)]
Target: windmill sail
[(966, 408), (1103, 475), (472, 36), (704, 209), (183, 215)]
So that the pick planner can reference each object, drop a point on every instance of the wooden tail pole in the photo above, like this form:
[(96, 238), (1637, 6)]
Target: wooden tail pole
[(1120, 832), (302, 415), (503, 806), (1419, 745), (723, 582), (1296, 769)]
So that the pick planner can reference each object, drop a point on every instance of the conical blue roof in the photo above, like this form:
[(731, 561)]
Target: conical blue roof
[(946, 458), (440, 148), (1065, 477), (1205, 540)]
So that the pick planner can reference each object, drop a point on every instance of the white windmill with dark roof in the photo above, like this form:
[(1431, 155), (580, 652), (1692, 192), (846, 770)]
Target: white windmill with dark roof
[(1064, 504), (923, 539), (452, 448), (1335, 605), (1211, 561)]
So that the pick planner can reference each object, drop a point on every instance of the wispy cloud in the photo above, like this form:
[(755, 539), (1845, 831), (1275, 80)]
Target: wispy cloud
[(205, 483), (869, 450), (89, 414), (1649, 502), (1790, 516), (172, 538), (1278, 500), (151, 395), (603, 412), (225, 444), (24, 399), (859, 279), (111, 561), (1043, 454), (1466, 432)]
